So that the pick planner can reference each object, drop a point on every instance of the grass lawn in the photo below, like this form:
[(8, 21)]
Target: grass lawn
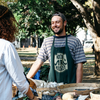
[(88, 67), (27, 54)]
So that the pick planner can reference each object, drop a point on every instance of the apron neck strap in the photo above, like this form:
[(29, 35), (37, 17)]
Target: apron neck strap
[(54, 40)]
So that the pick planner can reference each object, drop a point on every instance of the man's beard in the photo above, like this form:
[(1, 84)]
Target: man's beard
[(59, 32)]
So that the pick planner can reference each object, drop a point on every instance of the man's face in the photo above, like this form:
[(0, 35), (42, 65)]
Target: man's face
[(57, 25)]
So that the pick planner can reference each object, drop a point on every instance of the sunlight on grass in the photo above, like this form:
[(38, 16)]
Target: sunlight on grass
[(89, 64), (88, 51), (27, 54)]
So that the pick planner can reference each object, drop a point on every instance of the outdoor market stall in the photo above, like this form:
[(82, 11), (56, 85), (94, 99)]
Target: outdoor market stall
[(59, 91)]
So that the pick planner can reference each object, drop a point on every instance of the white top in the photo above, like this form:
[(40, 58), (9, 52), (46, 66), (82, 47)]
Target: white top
[(11, 70)]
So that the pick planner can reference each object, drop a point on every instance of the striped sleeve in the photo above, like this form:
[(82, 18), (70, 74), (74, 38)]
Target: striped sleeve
[(77, 51), (45, 51)]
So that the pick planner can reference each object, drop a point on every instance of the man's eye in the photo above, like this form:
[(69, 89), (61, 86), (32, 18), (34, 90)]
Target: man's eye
[(58, 21)]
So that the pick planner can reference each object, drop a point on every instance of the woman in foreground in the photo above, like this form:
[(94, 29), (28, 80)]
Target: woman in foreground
[(11, 69)]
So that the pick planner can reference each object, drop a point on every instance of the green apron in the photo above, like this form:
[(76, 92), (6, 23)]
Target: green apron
[(62, 67)]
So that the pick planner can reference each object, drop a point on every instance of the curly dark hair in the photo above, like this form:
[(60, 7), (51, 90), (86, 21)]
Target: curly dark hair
[(8, 24)]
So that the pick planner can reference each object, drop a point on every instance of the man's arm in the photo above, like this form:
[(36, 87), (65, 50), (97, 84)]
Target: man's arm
[(35, 67), (79, 72)]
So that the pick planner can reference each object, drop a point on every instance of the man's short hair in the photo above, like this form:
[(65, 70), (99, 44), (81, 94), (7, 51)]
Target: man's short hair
[(61, 15)]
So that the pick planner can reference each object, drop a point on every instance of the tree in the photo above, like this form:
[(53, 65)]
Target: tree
[(72, 14), (41, 12), (92, 27), (2, 2), (37, 18), (91, 18), (33, 17), (76, 12)]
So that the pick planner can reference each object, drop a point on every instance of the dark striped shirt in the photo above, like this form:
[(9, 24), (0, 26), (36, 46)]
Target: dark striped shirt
[(73, 43)]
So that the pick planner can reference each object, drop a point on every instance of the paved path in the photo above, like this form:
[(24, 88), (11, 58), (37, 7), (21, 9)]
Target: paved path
[(28, 58), (33, 50), (88, 57)]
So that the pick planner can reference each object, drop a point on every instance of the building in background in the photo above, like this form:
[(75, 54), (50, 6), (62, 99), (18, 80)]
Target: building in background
[(85, 37), (27, 42)]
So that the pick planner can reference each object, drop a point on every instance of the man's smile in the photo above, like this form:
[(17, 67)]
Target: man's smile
[(56, 29)]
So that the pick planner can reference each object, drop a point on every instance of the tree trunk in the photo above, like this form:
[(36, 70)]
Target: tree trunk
[(86, 18), (31, 40), (37, 43), (97, 63), (94, 29), (19, 43), (97, 56), (96, 9)]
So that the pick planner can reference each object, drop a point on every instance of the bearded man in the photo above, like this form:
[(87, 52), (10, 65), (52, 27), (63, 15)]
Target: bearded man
[(64, 52)]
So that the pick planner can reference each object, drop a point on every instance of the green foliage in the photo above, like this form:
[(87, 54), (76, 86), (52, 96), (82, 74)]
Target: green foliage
[(44, 72), (26, 70), (34, 16), (72, 14), (22, 54)]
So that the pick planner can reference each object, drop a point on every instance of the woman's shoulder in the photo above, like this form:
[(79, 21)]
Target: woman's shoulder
[(5, 43)]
